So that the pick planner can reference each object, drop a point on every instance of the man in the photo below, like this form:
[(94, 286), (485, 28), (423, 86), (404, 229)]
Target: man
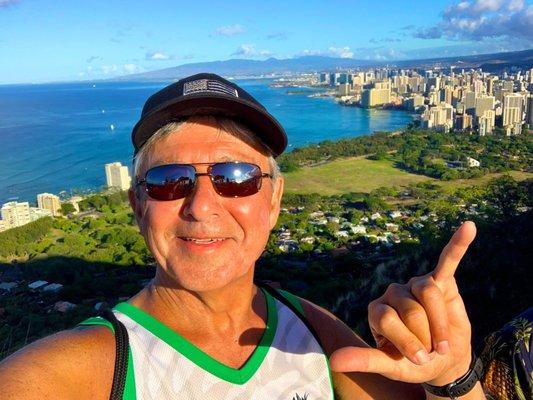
[(206, 195)]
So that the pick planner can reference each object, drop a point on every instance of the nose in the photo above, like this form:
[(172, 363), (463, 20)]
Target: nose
[(203, 203)]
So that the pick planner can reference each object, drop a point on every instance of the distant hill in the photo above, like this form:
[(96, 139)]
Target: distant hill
[(242, 68)]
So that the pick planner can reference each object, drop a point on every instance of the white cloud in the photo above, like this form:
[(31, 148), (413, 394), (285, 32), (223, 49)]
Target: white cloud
[(515, 5), (132, 69), (249, 50), (484, 19), (341, 52), (245, 50), (109, 69), (157, 56), (230, 30)]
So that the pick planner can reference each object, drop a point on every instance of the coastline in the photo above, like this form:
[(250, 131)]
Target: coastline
[(69, 120)]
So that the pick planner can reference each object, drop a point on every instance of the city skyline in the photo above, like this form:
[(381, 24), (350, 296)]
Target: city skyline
[(104, 40)]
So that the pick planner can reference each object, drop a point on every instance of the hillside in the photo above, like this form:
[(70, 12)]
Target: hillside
[(243, 67)]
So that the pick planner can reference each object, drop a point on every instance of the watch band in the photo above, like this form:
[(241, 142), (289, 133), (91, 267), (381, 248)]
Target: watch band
[(460, 386)]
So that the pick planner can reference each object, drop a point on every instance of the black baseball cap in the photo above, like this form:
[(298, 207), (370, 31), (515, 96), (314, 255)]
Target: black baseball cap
[(208, 94)]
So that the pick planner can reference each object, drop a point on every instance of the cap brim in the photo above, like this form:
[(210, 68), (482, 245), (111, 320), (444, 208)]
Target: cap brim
[(264, 125)]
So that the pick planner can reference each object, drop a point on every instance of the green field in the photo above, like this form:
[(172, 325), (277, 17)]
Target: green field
[(358, 174)]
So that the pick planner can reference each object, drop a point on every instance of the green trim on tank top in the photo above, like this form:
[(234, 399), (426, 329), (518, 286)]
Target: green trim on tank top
[(129, 387), (237, 376)]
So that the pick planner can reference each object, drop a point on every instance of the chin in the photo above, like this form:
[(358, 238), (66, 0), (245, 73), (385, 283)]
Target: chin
[(205, 278)]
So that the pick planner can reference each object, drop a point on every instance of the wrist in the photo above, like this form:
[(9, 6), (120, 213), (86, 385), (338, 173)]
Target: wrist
[(460, 386), (453, 374), (475, 394)]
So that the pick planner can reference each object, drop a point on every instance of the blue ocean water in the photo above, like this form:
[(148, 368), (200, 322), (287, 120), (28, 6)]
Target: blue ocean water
[(57, 137)]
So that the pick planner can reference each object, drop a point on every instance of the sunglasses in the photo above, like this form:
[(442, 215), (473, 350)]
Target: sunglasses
[(176, 181)]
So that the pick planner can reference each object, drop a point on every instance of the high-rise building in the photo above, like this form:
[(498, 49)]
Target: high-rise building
[(414, 102), (117, 176), (478, 87), (512, 109), (463, 122), (469, 101), (36, 213), (529, 109), (483, 104), (15, 214), (334, 78), (433, 83), (485, 122), (446, 94), (376, 96), (439, 117), (48, 201), (343, 89)]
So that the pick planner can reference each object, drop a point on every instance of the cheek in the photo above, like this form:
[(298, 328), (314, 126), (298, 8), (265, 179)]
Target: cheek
[(254, 220), (157, 225)]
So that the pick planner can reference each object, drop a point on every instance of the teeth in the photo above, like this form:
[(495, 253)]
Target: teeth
[(204, 240)]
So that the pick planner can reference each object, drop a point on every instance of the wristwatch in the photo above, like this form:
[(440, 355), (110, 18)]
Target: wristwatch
[(460, 386)]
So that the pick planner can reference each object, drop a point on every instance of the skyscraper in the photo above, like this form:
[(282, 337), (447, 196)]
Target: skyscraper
[(439, 117), (529, 111), (486, 122), (482, 104), (48, 201), (512, 109), (15, 214), (117, 176)]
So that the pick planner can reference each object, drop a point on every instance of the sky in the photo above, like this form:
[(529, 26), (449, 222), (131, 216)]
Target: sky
[(59, 40)]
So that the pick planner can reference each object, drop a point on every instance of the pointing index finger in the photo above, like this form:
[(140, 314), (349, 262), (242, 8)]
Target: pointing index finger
[(454, 251)]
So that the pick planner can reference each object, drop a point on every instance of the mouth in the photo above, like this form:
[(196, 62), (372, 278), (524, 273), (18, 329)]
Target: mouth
[(202, 244), (202, 241)]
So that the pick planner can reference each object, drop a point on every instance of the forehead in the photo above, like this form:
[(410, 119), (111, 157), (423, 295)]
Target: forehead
[(203, 143)]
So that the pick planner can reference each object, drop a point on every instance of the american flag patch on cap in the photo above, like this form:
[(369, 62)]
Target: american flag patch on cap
[(208, 85)]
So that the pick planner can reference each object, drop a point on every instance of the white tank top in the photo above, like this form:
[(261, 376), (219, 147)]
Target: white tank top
[(287, 364)]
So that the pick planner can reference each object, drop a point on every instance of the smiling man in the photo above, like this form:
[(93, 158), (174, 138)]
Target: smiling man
[(206, 195)]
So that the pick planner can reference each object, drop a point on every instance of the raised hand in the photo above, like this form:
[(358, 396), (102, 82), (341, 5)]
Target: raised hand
[(421, 328)]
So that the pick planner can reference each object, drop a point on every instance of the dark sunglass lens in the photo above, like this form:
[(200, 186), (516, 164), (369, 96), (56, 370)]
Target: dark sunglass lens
[(169, 182), (236, 179)]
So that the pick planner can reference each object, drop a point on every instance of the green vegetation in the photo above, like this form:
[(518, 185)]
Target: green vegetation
[(67, 208), (424, 152), (354, 174), (18, 241), (360, 174)]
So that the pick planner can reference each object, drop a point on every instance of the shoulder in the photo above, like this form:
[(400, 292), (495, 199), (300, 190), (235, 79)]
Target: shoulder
[(62, 365), (335, 334), (332, 332)]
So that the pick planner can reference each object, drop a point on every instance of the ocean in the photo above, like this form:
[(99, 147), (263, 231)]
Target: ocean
[(57, 137)]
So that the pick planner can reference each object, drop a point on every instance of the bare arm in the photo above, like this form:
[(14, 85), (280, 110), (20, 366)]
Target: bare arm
[(75, 364), (334, 335)]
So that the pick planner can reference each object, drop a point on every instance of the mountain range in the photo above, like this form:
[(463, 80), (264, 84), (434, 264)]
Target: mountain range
[(272, 66)]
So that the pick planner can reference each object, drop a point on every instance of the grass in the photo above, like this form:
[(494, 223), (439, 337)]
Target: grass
[(358, 174)]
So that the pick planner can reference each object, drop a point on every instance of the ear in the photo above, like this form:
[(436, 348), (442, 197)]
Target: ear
[(135, 204), (275, 202)]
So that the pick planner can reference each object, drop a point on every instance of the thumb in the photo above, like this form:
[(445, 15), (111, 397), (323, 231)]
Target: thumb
[(363, 359)]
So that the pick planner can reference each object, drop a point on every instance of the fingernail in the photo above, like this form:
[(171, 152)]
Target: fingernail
[(443, 347), (422, 357)]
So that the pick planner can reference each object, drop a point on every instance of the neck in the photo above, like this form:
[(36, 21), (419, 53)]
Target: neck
[(231, 307)]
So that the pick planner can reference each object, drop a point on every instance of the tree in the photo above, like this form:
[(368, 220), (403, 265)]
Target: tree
[(67, 208)]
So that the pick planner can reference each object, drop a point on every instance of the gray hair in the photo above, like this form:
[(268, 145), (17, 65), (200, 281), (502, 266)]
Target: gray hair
[(230, 126)]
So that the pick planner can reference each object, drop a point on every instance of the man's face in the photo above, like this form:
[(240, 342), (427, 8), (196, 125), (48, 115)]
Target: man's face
[(243, 222)]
